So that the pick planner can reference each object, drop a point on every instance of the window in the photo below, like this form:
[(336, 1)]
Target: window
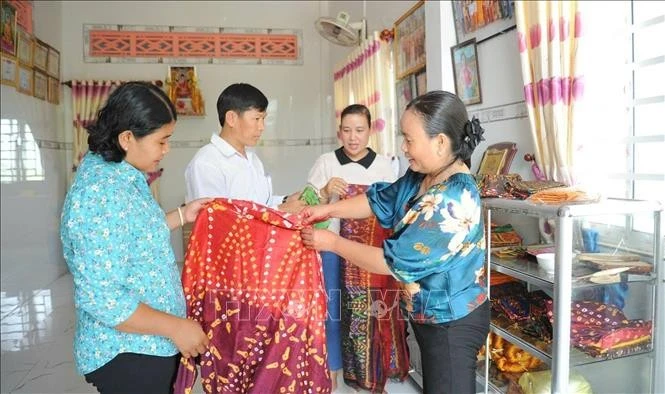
[(622, 141), (20, 159)]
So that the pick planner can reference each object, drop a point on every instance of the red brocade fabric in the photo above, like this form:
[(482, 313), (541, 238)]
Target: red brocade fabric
[(258, 294), (373, 330)]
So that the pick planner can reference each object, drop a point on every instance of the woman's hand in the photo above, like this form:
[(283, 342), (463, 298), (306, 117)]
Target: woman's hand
[(191, 210), (315, 214), (321, 240), (334, 186), (189, 338)]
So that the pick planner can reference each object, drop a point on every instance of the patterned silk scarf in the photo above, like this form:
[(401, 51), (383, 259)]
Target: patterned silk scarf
[(373, 330), (258, 294)]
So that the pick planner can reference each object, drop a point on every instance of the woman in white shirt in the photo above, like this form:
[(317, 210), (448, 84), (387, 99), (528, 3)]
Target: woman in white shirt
[(354, 322)]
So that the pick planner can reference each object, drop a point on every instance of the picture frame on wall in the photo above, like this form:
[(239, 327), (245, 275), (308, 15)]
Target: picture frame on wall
[(39, 55), (8, 28), (41, 84), (24, 80), (404, 92), (9, 71), (410, 41), (482, 19), (53, 64), (53, 90), (465, 70), (24, 50), (183, 90), (421, 83)]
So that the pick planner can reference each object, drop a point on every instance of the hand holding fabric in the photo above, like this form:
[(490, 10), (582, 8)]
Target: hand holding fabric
[(190, 339), (191, 210), (321, 240), (334, 186), (315, 214)]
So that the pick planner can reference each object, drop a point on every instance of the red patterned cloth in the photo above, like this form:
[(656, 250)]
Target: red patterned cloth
[(373, 330), (258, 294)]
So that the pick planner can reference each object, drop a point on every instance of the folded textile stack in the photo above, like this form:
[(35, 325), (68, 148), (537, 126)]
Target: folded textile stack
[(504, 235), (560, 195)]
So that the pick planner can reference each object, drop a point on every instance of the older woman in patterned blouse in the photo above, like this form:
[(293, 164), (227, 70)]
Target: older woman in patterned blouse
[(130, 305), (437, 250)]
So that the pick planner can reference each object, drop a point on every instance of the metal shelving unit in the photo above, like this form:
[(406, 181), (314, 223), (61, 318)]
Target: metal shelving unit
[(559, 355)]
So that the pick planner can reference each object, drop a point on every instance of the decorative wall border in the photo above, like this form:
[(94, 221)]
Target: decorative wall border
[(515, 110), (190, 45)]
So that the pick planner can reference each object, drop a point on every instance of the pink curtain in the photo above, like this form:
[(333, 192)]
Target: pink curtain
[(549, 37), (366, 77), (87, 98)]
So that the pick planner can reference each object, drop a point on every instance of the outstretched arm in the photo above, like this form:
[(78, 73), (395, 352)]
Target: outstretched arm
[(369, 258)]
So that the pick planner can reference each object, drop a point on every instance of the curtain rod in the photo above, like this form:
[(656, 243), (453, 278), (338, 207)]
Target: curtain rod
[(157, 82)]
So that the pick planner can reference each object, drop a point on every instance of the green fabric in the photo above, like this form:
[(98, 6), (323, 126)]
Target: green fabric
[(310, 197)]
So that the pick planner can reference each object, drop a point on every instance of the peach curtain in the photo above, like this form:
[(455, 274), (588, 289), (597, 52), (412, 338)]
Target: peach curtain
[(87, 98), (366, 77), (549, 38)]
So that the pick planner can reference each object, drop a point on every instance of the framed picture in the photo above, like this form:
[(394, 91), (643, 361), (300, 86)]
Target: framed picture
[(53, 90), (39, 55), (465, 70), (421, 83), (41, 84), (492, 162), (9, 71), (184, 92), (482, 19), (53, 64), (405, 92), (24, 48), (24, 81), (8, 29), (410, 41)]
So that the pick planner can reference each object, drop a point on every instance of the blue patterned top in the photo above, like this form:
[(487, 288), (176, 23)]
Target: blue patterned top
[(437, 250), (117, 245)]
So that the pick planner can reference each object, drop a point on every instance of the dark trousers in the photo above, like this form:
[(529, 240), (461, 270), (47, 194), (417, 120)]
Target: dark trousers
[(448, 351), (135, 373)]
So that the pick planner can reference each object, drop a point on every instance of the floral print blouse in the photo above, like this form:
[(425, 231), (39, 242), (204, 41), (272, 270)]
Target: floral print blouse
[(437, 250), (117, 246)]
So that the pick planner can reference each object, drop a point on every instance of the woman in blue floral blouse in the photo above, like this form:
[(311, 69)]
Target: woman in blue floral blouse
[(437, 250), (129, 300)]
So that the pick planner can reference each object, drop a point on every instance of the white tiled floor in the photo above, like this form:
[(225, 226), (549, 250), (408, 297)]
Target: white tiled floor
[(37, 331)]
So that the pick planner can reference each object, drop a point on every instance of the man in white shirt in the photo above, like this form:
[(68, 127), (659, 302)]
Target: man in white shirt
[(226, 167)]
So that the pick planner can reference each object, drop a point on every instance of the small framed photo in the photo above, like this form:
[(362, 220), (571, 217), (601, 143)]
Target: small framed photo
[(53, 90), (24, 48), (24, 82), (53, 64), (39, 55), (410, 41), (41, 84), (465, 69), (9, 71), (8, 29), (184, 92)]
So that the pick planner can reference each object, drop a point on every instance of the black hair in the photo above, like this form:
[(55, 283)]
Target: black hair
[(443, 112), (240, 97), (358, 109), (140, 107)]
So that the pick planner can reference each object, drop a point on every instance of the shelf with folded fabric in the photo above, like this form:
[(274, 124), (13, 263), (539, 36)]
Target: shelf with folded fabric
[(527, 270), (542, 349), (597, 314)]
